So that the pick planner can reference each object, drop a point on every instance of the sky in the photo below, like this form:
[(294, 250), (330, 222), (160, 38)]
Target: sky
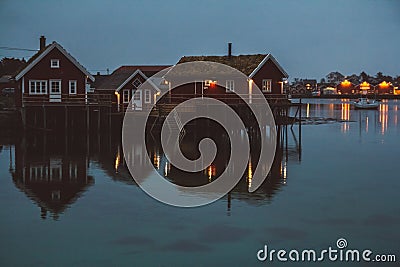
[(308, 38)]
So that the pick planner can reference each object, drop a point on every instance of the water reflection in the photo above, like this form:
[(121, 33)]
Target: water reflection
[(53, 169), (341, 110), (51, 172)]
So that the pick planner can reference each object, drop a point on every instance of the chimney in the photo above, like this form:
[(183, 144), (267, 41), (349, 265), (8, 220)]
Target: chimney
[(42, 42), (229, 49), (98, 73)]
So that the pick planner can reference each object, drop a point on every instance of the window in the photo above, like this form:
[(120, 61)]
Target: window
[(55, 63), (137, 83), (267, 85), (147, 96), (72, 87), (55, 86), (230, 86), (137, 95), (125, 96), (37, 87)]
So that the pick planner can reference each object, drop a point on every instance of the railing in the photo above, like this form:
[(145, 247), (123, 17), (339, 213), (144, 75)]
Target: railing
[(68, 99), (229, 98)]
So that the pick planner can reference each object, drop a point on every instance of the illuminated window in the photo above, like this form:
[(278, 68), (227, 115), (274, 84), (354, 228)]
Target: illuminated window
[(72, 87), (147, 96), (137, 83), (267, 85), (230, 86), (55, 63), (125, 96)]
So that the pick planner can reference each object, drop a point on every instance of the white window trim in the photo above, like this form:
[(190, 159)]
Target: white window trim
[(76, 85), (147, 91), (230, 86), (133, 83), (40, 91), (266, 85), (54, 80), (55, 66), (123, 96), (137, 95)]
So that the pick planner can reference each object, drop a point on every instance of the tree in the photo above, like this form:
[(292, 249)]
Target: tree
[(365, 77), (10, 66), (354, 79)]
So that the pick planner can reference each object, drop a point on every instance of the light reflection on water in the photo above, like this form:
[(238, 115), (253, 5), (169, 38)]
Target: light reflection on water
[(338, 180)]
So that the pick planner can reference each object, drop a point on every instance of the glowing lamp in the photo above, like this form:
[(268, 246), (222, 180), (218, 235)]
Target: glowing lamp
[(384, 84), (345, 83)]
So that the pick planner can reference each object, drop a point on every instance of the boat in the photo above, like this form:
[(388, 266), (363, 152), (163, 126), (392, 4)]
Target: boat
[(365, 103)]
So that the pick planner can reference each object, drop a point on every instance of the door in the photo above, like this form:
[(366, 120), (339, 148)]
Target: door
[(55, 91), (137, 100)]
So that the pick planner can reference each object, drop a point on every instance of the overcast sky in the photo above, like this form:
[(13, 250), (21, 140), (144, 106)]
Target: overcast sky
[(308, 38)]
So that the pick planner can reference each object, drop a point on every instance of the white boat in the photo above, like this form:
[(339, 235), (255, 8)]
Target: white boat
[(365, 103)]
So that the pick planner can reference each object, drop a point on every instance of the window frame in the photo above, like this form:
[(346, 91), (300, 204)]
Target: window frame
[(230, 86), (266, 86), (55, 66), (51, 88), (124, 92), (134, 83), (75, 83), (147, 91), (36, 90)]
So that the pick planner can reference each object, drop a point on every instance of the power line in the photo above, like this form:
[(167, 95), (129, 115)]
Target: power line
[(18, 49)]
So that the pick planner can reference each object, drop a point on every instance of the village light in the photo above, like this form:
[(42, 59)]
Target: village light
[(118, 99), (345, 83)]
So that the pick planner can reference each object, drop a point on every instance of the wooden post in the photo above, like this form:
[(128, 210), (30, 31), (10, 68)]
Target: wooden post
[(23, 117), (87, 119), (44, 117), (98, 118), (300, 130), (66, 118)]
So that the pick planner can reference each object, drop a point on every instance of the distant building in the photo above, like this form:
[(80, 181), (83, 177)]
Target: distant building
[(385, 88), (345, 88), (364, 88)]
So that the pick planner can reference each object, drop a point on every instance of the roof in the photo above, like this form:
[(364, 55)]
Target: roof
[(5, 79), (248, 64), (42, 53), (123, 74)]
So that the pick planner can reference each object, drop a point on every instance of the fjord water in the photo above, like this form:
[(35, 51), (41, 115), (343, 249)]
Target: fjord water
[(69, 201)]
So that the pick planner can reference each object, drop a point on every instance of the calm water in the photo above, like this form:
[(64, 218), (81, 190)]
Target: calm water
[(71, 202)]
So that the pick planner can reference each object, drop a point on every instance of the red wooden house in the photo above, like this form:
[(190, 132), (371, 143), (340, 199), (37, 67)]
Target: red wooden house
[(52, 77), (128, 82), (385, 88), (365, 88), (345, 88), (262, 70)]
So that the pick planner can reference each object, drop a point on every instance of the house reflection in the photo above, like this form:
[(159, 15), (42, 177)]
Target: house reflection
[(51, 172), (276, 178)]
